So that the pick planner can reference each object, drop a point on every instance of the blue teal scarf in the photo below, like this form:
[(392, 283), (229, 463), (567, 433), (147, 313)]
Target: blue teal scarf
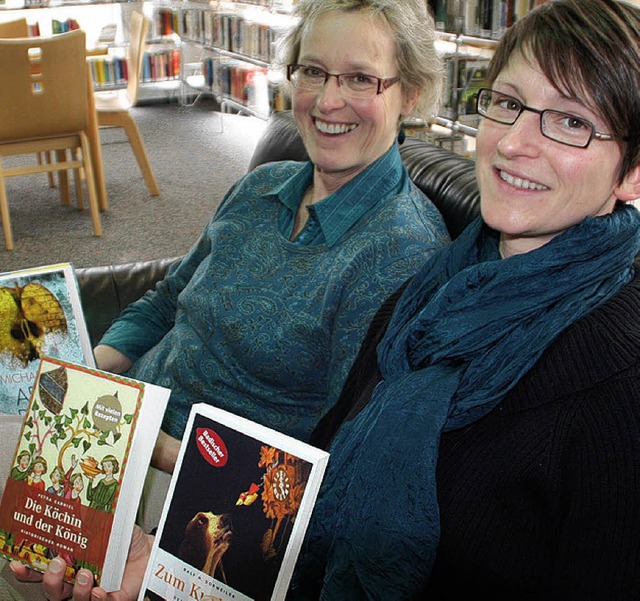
[(466, 329)]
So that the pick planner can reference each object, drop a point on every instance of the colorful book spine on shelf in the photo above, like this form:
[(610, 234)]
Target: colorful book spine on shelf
[(40, 315), (439, 13), (165, 21), (207, 24), (236, 26), (208, 71), (471, 77), (226, 32), (278, 100), (161, 65), (63, 26), (77, 472), (236, 512)]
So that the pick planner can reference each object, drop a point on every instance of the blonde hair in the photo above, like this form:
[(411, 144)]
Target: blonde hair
[(412, 27)]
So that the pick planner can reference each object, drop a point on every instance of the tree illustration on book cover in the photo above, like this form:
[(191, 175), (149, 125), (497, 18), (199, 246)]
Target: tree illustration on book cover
[(64, 485), (231, 516)]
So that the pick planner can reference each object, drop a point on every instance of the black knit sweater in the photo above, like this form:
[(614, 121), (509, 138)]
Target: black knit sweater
[(540, 499)]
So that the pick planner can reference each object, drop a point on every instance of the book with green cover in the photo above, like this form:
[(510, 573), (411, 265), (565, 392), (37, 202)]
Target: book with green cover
[(78, 470)]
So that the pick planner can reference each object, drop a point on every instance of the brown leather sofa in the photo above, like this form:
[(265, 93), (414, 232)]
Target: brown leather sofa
[(446, 178)]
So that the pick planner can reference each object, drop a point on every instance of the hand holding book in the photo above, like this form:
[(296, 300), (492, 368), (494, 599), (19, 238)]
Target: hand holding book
[(89, 434), (56, 589)]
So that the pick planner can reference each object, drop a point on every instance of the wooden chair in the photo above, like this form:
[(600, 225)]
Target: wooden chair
[(19, 28), (46, 93), (14, 29), (113, 106)]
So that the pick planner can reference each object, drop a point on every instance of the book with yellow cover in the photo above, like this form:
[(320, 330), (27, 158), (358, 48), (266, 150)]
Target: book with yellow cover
[(78, 470), (40, 315), (236, 512)]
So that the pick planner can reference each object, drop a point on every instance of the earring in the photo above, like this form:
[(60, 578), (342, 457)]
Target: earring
[(402, 136)]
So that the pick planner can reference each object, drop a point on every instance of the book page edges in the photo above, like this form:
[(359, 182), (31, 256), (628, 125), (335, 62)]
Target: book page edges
[(154, 402)]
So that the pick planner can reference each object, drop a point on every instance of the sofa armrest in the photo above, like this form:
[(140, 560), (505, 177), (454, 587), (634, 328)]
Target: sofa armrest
[(106, 291)]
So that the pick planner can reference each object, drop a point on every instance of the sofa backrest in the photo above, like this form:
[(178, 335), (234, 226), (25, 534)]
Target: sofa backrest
[(447, 179), (107, 290)]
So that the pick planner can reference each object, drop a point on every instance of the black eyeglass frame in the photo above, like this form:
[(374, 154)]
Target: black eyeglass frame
[(383, 84), (523, 107)]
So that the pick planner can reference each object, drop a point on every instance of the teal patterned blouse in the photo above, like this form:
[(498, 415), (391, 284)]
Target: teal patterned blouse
[(267, 328)]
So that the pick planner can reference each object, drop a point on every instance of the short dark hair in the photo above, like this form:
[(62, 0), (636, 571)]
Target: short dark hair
[(589, 50)]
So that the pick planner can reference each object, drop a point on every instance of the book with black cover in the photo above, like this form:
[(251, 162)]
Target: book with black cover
[(236, 512)]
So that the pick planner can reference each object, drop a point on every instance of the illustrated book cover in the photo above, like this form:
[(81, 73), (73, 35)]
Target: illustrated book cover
[(78, 470), (40, 316), (236, 512)]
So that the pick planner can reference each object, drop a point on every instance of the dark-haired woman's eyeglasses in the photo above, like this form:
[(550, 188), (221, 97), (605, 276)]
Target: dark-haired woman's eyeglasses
[(558, 126)]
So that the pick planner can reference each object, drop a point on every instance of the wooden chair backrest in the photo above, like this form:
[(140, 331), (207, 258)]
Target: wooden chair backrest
[(14, 29), (44, 89), (137, 44)]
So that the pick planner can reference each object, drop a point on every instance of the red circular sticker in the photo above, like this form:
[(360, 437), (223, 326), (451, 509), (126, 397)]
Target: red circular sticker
[(211, 447)]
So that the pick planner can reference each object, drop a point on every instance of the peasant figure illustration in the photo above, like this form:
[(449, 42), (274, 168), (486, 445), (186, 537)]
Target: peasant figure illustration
[(102, 494), (20, 471), (74, 488), (38, 469), (57, 482)]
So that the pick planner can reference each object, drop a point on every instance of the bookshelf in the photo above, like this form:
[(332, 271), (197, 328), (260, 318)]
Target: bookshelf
[(467, 32), (91, 16), (106, 24), (228, 50)]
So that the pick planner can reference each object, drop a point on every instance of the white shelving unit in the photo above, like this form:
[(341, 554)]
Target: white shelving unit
[(235, 40), (92, 16)]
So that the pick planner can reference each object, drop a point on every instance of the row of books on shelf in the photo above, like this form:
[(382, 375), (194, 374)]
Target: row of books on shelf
[(157, 65), (109, 71), (160, 65), (479, 18), (245, 84), (57, 26), (164, 22), (230, 32), (76, 440)]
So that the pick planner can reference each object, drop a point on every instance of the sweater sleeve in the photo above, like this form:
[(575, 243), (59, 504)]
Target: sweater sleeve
[(144, 323), (601, 488)]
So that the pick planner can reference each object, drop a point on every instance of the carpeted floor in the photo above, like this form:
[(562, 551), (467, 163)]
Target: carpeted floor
[(196, 155)]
